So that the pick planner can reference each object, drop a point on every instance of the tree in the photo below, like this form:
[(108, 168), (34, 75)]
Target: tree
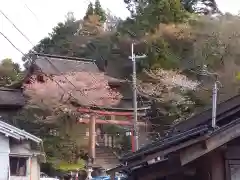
[(90, 11), (98, 10), (216, 45), (70, 18), (147, 15), (91, 26), (201, 6), (192, 6), (168, 89), (111, 21), (90, 89), (9, 72)]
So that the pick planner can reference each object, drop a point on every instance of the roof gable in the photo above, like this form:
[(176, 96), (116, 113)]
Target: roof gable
[(16, 133), (56, 65)]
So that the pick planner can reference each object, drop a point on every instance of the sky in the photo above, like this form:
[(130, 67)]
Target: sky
[(37, 18)]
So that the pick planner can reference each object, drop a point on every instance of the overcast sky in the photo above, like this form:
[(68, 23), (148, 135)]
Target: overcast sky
[(48, 13)]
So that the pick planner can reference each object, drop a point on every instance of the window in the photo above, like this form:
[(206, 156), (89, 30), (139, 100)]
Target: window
[(18, 166)]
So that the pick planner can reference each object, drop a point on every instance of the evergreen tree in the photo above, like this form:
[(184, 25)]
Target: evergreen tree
[(90, 11), (99, 11)]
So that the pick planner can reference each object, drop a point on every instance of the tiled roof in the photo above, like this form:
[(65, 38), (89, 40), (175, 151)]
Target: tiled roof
[(192, 127), (11, 97), (56, 65)]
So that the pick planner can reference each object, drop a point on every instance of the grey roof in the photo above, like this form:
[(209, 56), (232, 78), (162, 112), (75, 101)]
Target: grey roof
[(11, 97), (56, 65), (17, 133)]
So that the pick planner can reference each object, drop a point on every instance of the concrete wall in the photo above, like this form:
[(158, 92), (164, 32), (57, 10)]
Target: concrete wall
[(4, 157), (23, 149), (35, 168)]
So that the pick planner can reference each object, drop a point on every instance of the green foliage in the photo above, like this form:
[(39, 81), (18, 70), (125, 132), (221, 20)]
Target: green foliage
[(9, 72), (90, 11), (169, 49), (192, 6), (68, 167), (160, 55), (150, 14), (58, 42), (99, 11)]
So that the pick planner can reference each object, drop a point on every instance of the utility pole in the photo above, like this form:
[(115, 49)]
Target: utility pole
[(205, 72), (91, 145), (135, 128), (134, 78), (214, 104)]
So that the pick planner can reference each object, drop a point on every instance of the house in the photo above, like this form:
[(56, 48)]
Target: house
[(192, 151), (20, 152), (52, 65)]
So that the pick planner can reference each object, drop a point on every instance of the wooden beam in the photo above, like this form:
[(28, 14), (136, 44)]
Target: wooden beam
[(217, 165), (103, 112), (158, 170), (118, 122), (227, 170), (149, 157), (158, 154), (216, 140)]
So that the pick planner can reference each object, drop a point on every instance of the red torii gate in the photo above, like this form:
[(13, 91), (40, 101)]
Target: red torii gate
[(95, 112)]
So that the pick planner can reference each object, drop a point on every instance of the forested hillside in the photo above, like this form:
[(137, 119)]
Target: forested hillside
[(179, 37)]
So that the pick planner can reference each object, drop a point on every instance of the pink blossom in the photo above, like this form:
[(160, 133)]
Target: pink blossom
[(85, 88)]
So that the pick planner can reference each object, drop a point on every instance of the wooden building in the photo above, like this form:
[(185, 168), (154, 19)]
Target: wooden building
[(192, 151)]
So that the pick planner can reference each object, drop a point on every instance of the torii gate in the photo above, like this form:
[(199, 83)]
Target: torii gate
[(94, 119)]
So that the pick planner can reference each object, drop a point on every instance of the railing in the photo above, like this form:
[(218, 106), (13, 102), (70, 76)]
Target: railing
[(106, 140)]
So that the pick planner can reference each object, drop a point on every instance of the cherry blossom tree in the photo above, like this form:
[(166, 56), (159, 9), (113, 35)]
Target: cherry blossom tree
[(60, 91), (168, 89), (166, 85)]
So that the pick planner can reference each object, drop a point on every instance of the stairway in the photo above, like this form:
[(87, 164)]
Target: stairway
[(105, 156)]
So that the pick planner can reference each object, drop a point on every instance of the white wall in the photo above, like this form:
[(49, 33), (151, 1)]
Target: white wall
[(4, 157)]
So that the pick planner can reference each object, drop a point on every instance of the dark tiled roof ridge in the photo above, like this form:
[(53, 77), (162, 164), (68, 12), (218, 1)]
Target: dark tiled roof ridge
[(3, 88), (68, 58), (164, 139)]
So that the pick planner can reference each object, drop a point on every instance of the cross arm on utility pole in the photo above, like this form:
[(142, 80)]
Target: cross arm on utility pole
[(135, 121)]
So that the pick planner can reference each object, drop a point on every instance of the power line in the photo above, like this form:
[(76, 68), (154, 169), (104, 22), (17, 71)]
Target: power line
[(16, 27), (33, 45), (31, 11), (11, 43), (46, 58), (42, 72)]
